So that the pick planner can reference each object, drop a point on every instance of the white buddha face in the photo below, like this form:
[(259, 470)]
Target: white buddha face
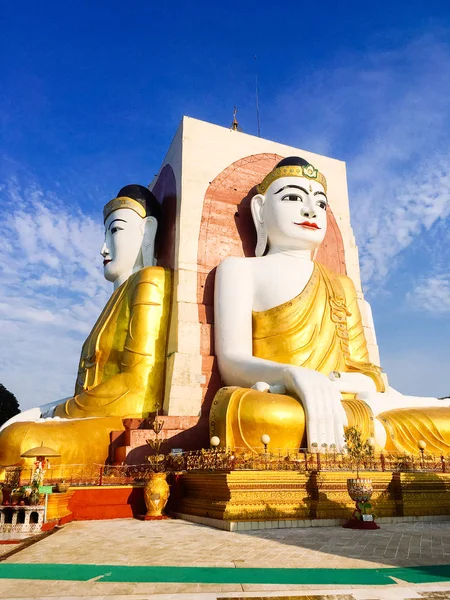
[(293, 211), (121, 251)]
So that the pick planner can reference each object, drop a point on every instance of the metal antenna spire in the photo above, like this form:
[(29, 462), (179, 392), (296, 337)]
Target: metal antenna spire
[(257, 100), (235, 124)]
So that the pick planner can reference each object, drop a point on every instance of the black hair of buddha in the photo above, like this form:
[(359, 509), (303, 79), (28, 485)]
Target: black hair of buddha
[(292, 161), (145, 197)]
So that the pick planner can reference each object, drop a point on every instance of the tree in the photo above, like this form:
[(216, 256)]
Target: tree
[(357, 449), (8, 405)]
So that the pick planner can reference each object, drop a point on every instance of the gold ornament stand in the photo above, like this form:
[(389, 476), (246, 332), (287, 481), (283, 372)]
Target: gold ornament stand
[(58, 506), (236, 500)]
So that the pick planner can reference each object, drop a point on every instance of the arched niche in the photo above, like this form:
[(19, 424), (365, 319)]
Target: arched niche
[(165, 190)]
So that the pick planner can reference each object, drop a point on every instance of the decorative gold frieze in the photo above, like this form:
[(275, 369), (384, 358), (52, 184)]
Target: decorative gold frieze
[(273, 495)]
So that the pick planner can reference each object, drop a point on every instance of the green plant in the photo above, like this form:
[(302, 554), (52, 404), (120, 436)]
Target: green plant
[(363, 507), (18, 494), (358, 450)]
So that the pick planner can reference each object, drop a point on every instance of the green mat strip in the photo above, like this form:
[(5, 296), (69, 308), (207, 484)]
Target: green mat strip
[(117, 573)]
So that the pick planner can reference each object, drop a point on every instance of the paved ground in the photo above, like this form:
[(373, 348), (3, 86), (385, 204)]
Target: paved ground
[(6, 548), (307, 558), (179, 543), (432, 592), (10, 541)]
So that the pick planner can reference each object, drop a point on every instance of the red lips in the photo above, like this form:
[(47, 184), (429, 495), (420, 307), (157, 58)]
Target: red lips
[(307, 225), (106, 261)]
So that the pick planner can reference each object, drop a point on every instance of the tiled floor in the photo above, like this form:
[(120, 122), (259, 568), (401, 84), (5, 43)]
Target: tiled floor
[(433, 592), (176, 542), (179, 543)]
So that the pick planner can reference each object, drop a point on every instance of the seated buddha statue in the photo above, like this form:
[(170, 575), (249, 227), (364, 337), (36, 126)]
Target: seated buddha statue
[(121, 369), (290, 341)]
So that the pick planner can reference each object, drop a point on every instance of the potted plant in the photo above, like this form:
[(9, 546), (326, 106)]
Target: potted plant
[(36, 482), (17, 495), (359, 489)]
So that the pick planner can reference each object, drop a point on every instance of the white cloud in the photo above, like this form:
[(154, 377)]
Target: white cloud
[(52, 291), (432, 295), (413, 206), (387, 114)]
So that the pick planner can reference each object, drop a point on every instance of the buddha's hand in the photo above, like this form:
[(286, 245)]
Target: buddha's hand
[(321, 400), (354, 383)]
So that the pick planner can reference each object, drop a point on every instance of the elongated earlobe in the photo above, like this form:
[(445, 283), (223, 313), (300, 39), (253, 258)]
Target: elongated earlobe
[(261, 240), (148, 242), (257, 209)]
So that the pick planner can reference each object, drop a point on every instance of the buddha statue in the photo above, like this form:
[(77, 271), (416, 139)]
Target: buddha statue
[(121, 369), (290, 341)]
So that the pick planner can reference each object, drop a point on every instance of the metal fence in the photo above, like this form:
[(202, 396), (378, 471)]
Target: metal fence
[(224, 460)]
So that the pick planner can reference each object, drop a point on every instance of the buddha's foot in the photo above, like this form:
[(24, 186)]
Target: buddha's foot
[(78, 441), (406, 427), (240, 416)]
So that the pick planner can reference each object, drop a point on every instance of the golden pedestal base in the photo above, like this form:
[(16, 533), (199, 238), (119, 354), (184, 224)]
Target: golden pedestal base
[(58, 505), (272, 495)]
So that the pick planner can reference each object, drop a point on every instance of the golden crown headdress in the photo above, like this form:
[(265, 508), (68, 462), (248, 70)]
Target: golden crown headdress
[(135, 197), (283, 169)]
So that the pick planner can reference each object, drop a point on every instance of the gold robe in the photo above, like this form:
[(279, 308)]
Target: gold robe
[(121, 374), (121, 369), (319, 329)]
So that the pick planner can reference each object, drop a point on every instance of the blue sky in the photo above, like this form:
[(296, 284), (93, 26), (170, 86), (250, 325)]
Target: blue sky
[(92, 94)]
